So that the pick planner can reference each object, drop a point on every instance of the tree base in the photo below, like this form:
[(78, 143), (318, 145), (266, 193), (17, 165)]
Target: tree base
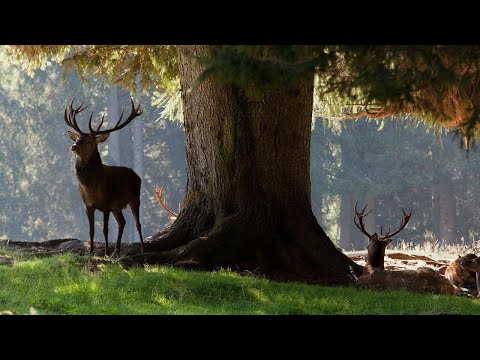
[(245, 246)]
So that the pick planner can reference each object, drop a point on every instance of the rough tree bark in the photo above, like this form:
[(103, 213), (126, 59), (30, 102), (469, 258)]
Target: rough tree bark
[(248, 202)]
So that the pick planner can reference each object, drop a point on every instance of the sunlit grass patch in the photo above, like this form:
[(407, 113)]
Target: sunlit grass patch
[(72, 284)]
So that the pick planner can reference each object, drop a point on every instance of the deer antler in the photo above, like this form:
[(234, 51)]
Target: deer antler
[(135, 112), (405, 219), (382, 237), (360, 216), (70, 119), (158, 194)]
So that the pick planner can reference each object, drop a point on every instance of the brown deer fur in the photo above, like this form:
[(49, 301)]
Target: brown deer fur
[(423, 279), (463, 279), (103, 187), (469, 264)]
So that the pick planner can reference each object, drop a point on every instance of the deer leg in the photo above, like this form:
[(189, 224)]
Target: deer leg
[(121, 224), (135, 207), (106, 217), (91, 223)]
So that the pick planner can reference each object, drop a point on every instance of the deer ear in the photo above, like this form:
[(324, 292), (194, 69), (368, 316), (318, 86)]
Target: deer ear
[(102, 138), (73, 136)]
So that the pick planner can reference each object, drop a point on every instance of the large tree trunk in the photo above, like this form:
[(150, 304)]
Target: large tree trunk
[(248, 200)]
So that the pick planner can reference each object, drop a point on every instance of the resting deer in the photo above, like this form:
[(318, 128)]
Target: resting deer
[(462, 277), (374, 274), (103, 187), (472, 264), (158, 194)]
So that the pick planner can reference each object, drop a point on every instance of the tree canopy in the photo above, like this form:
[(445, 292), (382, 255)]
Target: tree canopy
[(437, 83)]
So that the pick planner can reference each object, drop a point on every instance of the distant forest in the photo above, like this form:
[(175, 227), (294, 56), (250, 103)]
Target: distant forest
[(388, 164)]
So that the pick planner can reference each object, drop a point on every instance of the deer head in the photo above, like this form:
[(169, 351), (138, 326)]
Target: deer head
[(377, 244), (471, 263), (85, 144)]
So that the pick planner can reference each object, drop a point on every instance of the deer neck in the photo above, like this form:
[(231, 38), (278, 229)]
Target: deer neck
[(376, 255), (89, 171)]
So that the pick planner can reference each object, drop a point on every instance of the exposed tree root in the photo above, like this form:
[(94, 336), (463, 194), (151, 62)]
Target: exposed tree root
[(241, 245)]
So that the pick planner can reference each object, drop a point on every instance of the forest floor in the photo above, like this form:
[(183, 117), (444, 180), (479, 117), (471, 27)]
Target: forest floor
[(59, 277), (403, 256), (73, 284)]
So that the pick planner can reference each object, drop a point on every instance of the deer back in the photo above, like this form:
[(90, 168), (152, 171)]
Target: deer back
[(425, 280)]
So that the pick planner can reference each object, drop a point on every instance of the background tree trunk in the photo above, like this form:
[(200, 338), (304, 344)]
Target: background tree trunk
[(138, 165), (347, 236), (113, 113), (445, 212), (123, 151), (370, 220), (113, 141), (248, 199)]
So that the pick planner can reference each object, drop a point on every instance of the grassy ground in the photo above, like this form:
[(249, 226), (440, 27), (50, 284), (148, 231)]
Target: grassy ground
[(70, 284)]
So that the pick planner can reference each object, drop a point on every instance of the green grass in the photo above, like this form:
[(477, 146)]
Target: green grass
[(70, 284)]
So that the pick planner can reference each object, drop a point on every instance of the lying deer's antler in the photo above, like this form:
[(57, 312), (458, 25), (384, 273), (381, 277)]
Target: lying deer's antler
[(158, 194)]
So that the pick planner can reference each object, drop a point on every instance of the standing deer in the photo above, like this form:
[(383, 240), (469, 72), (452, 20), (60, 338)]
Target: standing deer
[(103, 187), (374, 275)]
